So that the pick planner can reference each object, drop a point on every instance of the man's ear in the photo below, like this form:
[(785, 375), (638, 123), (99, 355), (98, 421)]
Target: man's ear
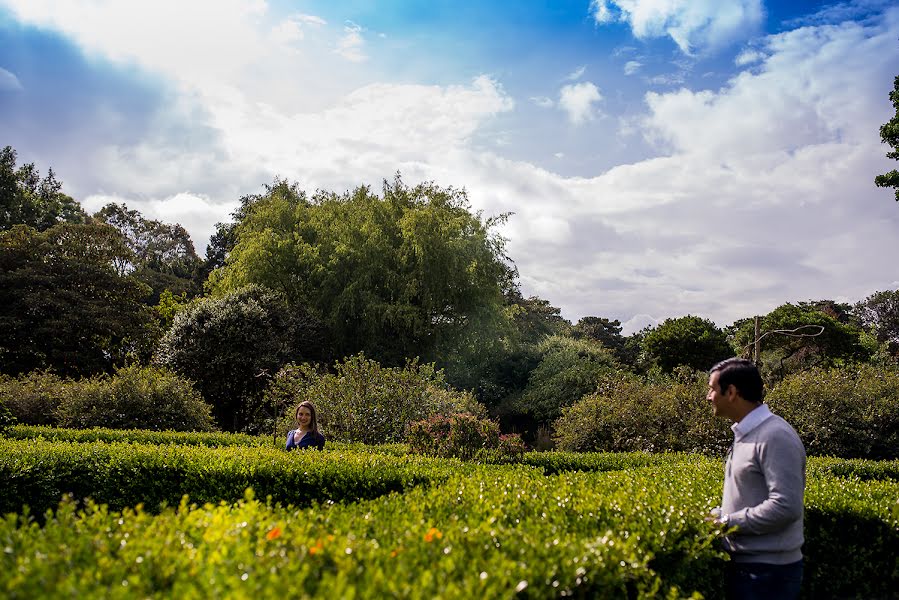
[(731, 392)]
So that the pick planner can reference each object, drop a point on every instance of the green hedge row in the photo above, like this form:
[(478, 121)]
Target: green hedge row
[(37, 473), (490, 532), (193, 438)]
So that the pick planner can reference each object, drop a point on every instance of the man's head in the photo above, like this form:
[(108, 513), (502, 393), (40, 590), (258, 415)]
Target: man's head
[(735, 388)]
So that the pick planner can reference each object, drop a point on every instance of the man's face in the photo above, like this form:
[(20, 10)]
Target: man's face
[(719, 401)]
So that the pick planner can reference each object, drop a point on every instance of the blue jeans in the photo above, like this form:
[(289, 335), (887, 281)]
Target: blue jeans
[(761, 581)]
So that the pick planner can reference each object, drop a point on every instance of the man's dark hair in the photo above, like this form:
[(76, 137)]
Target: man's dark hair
[(743, 375)]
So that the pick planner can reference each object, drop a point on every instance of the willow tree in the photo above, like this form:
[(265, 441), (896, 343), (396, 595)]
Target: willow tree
[(397, 275)]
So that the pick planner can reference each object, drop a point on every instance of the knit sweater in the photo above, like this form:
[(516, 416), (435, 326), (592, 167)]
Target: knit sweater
[(764, 485)]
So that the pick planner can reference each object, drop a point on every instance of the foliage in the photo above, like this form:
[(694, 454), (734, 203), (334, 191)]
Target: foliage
[(66, 303), (889, 134), (231, 346), (362, 401), (463, 436), (837, 343), (169, 305), (494, 532), (139, 436), (686, 341), (7, 419), (395, 276), (567, 370), (605, 331), (163, 254), (848, 412), (26, 199), (135, 396), (880, 313), (38, 473), (34, 398), (655, 413)]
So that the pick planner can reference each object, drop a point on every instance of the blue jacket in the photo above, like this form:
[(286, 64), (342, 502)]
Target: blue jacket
[(310, 440)]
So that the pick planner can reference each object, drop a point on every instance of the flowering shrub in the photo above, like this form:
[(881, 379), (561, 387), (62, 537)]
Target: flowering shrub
[(463, 436)]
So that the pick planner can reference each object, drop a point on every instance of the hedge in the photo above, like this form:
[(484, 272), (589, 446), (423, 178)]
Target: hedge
[(489, 532)]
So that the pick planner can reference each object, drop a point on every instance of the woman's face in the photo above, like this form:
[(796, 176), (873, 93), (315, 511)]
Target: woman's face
[(304, 416)]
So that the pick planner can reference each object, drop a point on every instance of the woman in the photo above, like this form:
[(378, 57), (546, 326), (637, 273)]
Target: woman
[(306, 435)]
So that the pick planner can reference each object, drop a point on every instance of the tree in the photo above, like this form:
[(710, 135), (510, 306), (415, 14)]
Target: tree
[(395, 276), (880, 313), (691, 341), (889, 134), (26, 199), (807, 338), (231, 346), (164, 256), (66, 302), (605, 331), (567, 370)]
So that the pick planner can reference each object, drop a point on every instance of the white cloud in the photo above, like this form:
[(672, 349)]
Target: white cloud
[(632, 66), (748, 57), (577, 73), (291, 29), (577, 100), (352, 45), (543, 101), (9, 82), (694, 25)]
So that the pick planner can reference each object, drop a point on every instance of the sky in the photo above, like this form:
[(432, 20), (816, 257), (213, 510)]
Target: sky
[(659, 158)]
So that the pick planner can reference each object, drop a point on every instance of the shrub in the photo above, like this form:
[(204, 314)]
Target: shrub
[(850, 412), (460, 435), (136, 397), (361, 401), (34, 398), (7, 420), (654, 413), (568, 369)]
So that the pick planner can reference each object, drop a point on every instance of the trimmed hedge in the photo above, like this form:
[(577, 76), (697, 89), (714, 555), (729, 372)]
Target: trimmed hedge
[(489, 532), (38, 473)]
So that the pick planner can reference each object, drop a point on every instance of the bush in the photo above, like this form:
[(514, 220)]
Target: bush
[(850, 412), (33, 399), (656, 413), (7, 420), (361, 401), (136, 397), (463, 436)]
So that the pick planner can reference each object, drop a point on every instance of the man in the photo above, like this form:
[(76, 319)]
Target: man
[(764, 483)]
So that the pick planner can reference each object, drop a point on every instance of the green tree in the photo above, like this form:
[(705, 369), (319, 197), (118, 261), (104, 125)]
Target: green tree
[(231, 347), (795, 338), (567, 370), (395, 276), (880, 313), (889, 134), (26, 199), (164, 256), (66, 302), (690, 341)]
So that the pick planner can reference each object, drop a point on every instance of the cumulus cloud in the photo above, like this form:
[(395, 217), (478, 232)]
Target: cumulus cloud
[(292, 29), (748, 57), (694, 25), (578, 101), (543, 101)]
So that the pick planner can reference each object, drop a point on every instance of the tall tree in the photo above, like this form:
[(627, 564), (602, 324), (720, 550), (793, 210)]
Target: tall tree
[(163, 254), (26, 199), (889, 134), (67, 302), (394, 276), (880, 313)]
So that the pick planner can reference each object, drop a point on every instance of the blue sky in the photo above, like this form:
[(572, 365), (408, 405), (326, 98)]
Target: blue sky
[(661, 157)]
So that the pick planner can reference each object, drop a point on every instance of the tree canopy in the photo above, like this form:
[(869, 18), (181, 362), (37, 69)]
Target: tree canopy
[(66, 301), (395, 276), (691, 341), (26, 199)]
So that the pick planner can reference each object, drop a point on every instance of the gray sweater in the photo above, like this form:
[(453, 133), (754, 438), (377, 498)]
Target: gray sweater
[(764, 485)]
